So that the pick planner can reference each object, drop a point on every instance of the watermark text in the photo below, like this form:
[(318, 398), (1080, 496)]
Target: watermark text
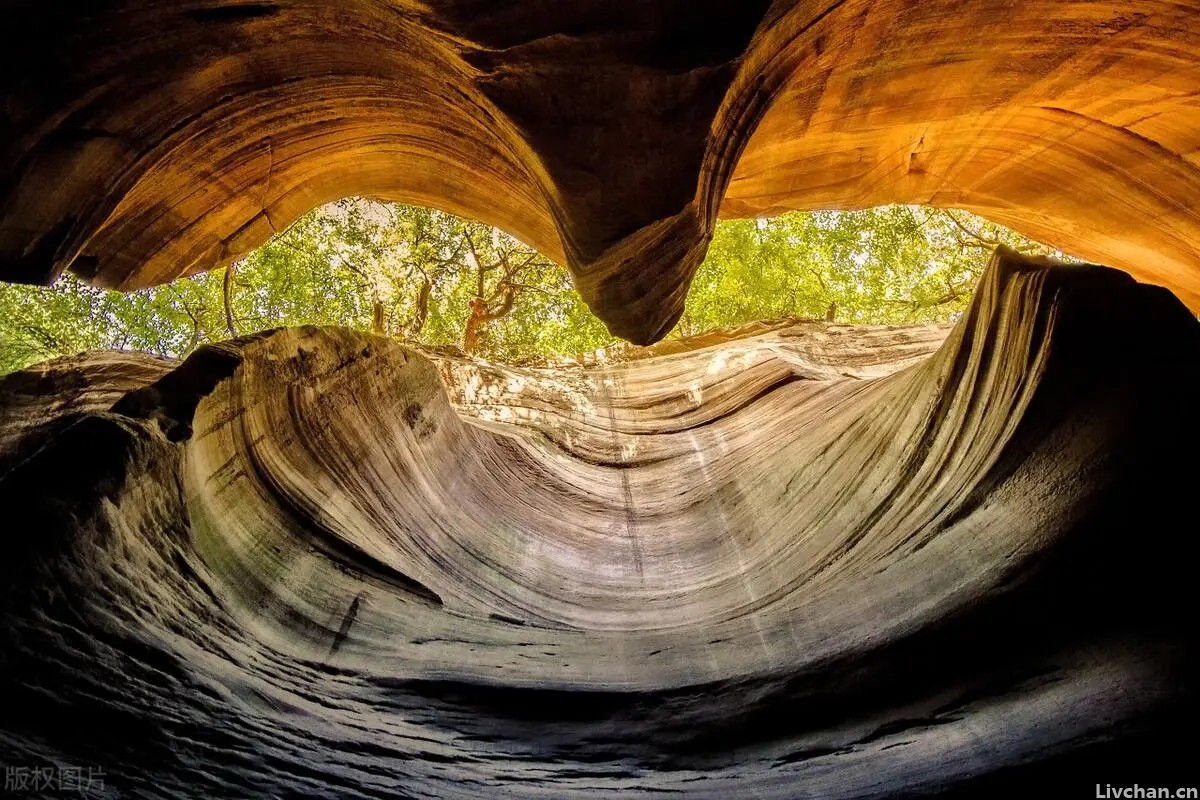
[(1139, 792), (54, 778)]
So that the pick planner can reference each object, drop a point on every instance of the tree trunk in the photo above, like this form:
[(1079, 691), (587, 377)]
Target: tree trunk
[(227, 297), (378, 316), (474, 323), (481, 315), (422, 312)]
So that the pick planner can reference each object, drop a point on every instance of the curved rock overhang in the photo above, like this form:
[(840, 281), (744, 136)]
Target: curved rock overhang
[(145, 141), (823, 560)]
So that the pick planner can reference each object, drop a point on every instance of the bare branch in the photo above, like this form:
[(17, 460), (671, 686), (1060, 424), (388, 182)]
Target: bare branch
[(977, 237)]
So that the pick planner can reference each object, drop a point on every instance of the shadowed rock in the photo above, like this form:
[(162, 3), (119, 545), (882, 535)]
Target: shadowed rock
[(815, 561)]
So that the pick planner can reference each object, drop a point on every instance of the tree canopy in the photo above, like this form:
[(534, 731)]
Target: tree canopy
[(427, 276)]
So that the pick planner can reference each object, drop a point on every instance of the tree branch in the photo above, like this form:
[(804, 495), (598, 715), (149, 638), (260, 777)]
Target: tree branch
[(983, 240)]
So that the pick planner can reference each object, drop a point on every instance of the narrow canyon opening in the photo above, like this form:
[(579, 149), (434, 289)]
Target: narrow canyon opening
[(612, 435)]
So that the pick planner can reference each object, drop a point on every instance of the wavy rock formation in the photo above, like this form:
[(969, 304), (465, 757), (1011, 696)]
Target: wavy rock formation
[(820, 561), (143, 141)]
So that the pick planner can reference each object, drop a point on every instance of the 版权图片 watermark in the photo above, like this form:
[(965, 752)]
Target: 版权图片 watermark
[(51, 778)]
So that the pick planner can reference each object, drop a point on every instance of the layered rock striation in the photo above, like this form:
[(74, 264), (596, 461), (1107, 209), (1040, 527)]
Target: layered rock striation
[(816, 561), (145, 141), (800, 560)]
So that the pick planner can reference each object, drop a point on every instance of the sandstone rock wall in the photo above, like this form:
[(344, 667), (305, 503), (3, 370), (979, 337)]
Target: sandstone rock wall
[(818, 562), (799, 560), (144, 141)]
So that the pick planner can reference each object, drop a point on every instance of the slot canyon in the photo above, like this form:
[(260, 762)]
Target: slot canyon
[(802, 560)]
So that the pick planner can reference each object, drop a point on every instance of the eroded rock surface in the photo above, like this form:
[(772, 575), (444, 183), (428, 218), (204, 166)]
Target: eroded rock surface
[(144, 141), (820, 561)]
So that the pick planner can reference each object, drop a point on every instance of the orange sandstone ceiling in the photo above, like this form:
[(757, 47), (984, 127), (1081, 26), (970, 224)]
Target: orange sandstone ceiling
[(143, 141)]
